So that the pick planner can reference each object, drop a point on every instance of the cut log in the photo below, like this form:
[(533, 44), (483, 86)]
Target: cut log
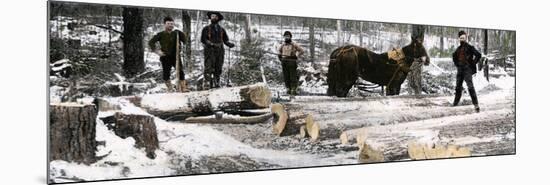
[(418, 151), (312, 128), (256, 96), (289, 121), (105, 105), (280, 117), (436, 138), (73, 132), (303, 131), (232, 119), (140, 127)]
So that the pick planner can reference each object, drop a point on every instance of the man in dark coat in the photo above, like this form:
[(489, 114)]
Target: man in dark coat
[(167, 52), (213, 38), (465, 59)]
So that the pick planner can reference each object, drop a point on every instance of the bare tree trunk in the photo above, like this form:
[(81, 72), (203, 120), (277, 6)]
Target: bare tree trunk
[(361, 34), (72, 132), (312, 41), (133, 41), (485, 41), (186, 20), (247, 28), (198, 29), (441, 42), (338, 32)]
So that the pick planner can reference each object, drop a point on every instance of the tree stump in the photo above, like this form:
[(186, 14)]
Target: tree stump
[(140, 127), (72, 132)]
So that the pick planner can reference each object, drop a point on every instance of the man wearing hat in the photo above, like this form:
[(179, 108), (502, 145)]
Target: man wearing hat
[(168, 39), (213, 38), (288, 55), (465, 59)]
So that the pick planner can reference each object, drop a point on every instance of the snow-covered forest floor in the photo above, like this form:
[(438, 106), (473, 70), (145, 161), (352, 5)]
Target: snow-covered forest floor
[(187, 148)]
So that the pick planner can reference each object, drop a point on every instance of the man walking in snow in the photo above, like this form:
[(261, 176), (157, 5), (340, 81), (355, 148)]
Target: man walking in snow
[(213, 37), (168, 39), (288, 55), (465, 59)]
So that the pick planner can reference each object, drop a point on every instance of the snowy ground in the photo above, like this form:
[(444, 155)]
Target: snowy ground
[(212, 148)]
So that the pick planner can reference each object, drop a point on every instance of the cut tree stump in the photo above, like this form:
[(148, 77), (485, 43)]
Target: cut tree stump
[(73, 132), (293, 121), (256, 96), (230, 119), (140, 127)]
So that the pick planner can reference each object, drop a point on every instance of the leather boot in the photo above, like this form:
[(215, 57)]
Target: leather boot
[(169, 87), (183, 86)]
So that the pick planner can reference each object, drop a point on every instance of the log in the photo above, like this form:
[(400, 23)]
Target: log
[(303, 132), (73, 132), (290, 120), (280, 117), (313, 129), (140, 127), (458, 136), (230, 119), (420, 151), (256, 96), (382, 147)]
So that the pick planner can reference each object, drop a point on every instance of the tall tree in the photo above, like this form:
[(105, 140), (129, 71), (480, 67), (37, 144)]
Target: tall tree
[(485, 41), (339, 32), (361, 34), (311, 39), (186, 20), (441, 41), (247, 28), (133, 41)]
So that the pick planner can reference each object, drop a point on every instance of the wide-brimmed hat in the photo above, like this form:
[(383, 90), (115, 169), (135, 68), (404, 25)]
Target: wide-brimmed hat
[(220, 16)]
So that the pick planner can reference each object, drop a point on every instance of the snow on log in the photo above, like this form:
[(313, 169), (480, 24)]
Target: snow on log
[(256, 96), (231, 119), (140, 127), (72, 132)]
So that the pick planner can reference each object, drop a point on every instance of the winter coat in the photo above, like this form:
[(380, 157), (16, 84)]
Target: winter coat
[(471, 56)]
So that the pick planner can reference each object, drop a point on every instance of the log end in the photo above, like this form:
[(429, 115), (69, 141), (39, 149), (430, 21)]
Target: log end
[(260, 95), (280, 118), (312, 128), (344, 138), (436, 151), (303, 131), (368, 154)]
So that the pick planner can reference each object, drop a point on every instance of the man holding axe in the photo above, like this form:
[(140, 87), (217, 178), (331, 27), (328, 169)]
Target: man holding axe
[(169, 53)]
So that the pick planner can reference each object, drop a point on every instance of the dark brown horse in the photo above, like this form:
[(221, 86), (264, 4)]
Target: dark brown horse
[(386, 69)]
